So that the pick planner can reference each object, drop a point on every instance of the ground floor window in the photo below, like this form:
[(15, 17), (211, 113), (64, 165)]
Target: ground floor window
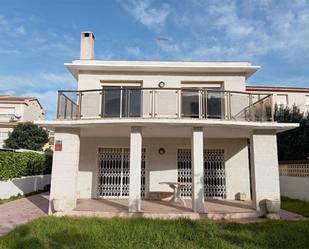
[(114, 172), (214, 172)]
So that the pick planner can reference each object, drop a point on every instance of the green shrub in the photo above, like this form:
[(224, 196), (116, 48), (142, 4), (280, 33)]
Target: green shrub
[(14, 164)]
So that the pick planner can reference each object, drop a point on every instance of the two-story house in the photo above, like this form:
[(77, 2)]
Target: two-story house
[(132, 128), (15, 109)]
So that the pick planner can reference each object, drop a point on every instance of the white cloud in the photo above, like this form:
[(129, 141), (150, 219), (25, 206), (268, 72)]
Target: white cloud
[(153, 18), (20, 30), (135, 51)]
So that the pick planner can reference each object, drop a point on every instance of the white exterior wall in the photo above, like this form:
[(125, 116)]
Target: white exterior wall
[(295, 98), (231, 82), (295, 187), (163, 168), (22, 185)]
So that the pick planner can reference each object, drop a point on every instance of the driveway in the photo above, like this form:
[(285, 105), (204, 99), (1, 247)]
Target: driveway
[(15, 213)]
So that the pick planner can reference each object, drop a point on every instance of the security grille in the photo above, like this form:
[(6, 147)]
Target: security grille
[(214, 172), (114, 172)]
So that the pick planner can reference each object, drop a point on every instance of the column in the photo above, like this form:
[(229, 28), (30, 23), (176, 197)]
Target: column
[(265, 170), (197, 149), (135, 169), (63, 191)]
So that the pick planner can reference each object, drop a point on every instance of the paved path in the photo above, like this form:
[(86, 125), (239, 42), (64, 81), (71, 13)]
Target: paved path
[(15, 213)]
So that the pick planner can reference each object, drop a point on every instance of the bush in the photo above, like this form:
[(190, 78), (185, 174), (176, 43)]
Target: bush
[(13, 164)]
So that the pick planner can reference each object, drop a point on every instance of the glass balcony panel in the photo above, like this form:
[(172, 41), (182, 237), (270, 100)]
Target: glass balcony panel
[(190, 103), (166, 103), (135, 103), (111, 101), (215, 104)]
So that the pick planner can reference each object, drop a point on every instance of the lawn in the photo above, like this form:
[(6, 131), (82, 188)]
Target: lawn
[(70, 232), (296, 206)]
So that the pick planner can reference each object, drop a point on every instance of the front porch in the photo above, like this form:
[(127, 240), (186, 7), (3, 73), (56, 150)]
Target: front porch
[(214, 209)]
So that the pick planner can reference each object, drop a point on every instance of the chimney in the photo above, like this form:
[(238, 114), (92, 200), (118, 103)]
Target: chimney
[(87, 46)]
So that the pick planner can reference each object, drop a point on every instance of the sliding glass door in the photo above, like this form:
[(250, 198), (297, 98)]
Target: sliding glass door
[(120, 101)]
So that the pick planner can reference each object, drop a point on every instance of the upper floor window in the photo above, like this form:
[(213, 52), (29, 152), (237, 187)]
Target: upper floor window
[(282, 100)]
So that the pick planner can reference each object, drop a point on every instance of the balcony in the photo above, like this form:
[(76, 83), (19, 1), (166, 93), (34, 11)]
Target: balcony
[(156, 103)]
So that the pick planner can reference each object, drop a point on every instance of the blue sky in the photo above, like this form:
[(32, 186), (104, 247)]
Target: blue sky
[(38, 36)]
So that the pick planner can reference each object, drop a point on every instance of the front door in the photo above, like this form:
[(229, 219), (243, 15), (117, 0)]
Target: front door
[(114, 172)]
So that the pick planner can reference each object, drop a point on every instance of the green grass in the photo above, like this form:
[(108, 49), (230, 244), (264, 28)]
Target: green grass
[(19, 196), (70, 232), (296, 206)]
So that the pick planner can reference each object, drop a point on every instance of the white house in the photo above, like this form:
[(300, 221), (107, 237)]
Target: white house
[(132, 125), (14, 109)]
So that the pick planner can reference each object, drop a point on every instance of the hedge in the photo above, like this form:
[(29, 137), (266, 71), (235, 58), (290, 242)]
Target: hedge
[(13, 164)]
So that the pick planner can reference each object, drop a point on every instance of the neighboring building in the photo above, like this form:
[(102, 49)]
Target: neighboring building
[(132, 125), (285, 96), (17, 109)]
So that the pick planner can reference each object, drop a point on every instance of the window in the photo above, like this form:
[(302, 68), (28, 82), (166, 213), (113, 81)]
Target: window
[(120, 101), (282, 100), (307, 100)]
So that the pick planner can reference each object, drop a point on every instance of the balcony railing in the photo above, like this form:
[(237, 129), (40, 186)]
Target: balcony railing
[(133, 102)]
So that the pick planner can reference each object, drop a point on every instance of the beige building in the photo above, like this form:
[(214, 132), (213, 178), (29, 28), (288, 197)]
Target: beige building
[(133, 129), (285, 96), (17, 109)]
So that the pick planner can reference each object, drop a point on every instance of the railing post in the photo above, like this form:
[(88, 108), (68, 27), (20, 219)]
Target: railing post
[(230, 106), (272, 107), (102, 103), (65, 108), (58, 105), (206, 104), (79, 114), (251, 107)]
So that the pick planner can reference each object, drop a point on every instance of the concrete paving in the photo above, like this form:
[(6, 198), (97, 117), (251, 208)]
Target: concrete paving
[(15, 213)]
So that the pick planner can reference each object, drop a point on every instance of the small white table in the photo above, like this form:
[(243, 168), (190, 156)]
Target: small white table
[(176, 187)]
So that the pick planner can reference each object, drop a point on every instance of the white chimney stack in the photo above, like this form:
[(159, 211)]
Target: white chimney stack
[(87, 46)]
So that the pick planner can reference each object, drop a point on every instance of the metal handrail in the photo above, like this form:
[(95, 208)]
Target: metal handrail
[(203, 92)]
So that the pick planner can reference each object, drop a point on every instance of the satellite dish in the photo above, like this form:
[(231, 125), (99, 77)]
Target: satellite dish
[(18, 116)]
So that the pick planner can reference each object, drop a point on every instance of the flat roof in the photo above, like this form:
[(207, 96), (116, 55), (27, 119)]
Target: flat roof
[(162, 66), (277, 89)]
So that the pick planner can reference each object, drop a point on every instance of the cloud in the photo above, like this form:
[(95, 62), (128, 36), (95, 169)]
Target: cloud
[(20, 30), (39, 80), (135, 51), (153, 18)]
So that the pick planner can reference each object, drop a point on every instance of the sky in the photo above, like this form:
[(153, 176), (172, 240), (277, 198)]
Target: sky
[(38, 36)]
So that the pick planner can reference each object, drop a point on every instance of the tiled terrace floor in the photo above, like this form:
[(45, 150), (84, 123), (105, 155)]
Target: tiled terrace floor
[(217, 209)]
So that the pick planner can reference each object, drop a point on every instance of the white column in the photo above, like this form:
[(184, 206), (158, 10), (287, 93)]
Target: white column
[(135, 169), (197, 170), (264, 168), (65, 169)]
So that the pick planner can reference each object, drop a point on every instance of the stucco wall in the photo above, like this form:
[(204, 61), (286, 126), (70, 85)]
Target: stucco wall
[(161, 168), (295, 187), (23, 185), (231, 82)]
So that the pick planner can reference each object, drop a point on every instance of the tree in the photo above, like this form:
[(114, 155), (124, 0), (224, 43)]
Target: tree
[(27, 136), (293, 144)]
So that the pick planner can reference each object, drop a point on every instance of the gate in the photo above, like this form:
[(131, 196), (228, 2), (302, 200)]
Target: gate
[(114, 172), (214, 173)]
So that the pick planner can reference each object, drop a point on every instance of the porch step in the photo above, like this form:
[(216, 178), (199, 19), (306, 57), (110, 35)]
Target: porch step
[(189, 215)]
